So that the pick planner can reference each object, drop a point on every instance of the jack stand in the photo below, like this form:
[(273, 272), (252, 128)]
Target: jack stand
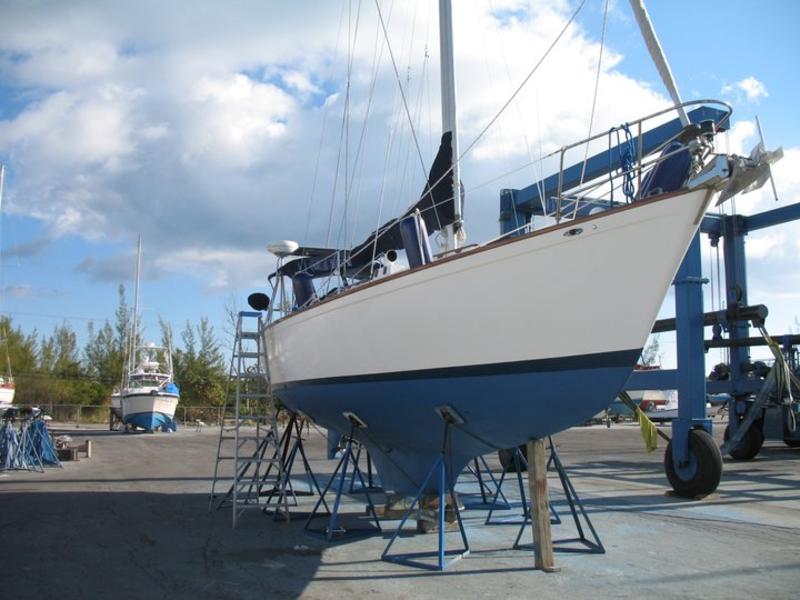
[(371, 487), (330, 530), (520, 465), (439, 467), (489, 496), (288, 457), (575, 505)]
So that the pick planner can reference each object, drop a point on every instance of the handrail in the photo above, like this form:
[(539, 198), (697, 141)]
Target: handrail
[(578, 193)]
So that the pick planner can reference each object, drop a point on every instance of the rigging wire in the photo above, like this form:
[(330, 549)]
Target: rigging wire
[(358, 165), (538, 176), (345, 121), (402, 91), (524, 82), (488, 125), (322, 132), (404, 178), (347, 181), (420, 96), (596, 88)]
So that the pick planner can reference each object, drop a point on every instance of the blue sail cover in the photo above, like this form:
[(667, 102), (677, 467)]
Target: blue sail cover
[(435, 206)]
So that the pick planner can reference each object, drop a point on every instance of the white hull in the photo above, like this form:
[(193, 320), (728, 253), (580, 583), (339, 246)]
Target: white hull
[(146, 403), (522, 339), (116, 405), (6, 396), (546, 295)]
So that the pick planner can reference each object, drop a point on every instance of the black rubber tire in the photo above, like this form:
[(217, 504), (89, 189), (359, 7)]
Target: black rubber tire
[(709, 466), (751, 443), (506, 457), (790, 437)]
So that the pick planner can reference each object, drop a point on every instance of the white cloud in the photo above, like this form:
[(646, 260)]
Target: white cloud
[(201, 129), (300, 82), (751, 87), (233, 116), (220, 268), (766, 245)]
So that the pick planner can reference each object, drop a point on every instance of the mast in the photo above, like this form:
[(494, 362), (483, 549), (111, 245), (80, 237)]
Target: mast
[(657, 54), (4, 333), (448, 84), (135, 323)]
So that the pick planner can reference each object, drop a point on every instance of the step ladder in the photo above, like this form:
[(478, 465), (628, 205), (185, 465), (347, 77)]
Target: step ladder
[(248, 453)]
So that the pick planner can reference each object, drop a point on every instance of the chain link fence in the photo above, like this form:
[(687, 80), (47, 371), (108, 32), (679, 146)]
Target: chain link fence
[(79, 414)]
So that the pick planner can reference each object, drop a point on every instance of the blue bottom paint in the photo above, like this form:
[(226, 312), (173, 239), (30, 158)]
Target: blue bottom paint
[(404, 433), (151, 421)]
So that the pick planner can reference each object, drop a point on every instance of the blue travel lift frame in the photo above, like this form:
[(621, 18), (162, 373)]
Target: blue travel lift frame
[(690, 321), (517, 208)]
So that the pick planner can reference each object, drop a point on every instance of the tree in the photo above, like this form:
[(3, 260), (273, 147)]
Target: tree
[(65, 381), (18, 349), (199, 366), (20, 358)]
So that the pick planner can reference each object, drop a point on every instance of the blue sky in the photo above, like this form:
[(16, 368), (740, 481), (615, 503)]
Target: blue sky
[(200, 130)]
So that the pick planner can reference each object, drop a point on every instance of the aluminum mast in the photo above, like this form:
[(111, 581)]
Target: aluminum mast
[(448, 73), (135, 321)]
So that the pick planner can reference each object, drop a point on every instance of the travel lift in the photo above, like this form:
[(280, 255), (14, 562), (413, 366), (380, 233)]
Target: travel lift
[(759, 403)]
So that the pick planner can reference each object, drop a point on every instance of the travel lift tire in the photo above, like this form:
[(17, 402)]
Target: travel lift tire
[(704, 471), (751, 443), (789, 437)]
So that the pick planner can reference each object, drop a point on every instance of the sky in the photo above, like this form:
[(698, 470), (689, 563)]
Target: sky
[(211, 129)]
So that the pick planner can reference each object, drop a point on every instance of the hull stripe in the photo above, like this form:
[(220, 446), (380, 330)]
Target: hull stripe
[(547, 365)]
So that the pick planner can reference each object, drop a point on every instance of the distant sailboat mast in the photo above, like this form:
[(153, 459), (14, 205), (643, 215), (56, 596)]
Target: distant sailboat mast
[(135, 321), (448, 83), (4, 332)]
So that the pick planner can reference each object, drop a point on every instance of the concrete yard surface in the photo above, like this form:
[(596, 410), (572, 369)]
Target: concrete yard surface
[(132, 521)]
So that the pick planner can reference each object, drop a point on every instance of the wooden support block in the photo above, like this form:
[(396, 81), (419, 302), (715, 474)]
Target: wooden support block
[(67, 454), (540, 506)]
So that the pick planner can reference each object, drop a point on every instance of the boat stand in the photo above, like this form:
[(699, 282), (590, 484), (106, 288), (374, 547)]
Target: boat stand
[(520, 465), (371, 487), (290, 444), (440, 469), (489, 495), (586, 545), (331, 529)]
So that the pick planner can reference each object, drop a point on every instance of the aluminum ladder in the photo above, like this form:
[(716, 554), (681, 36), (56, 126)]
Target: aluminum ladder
[(248, 436)]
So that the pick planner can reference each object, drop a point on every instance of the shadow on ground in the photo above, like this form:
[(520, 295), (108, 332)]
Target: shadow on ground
[(136, 544)]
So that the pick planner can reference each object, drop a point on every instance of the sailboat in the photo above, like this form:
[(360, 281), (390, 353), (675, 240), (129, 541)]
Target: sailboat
[(149, 396), (7, 388), (514, 339)]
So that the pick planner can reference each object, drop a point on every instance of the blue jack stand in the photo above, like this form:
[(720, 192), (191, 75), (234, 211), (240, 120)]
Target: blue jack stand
[(288, 456), (489, 496), (439, 467), (589, 546), (520, 465), (371, 487), (331, 529)]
